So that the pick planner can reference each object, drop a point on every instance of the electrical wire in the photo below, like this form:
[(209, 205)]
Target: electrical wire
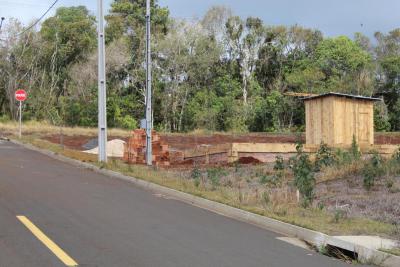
[(38, 20)]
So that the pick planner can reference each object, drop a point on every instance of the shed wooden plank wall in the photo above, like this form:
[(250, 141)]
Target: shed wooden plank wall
[(353, 118), (319, 120), (335, 120)]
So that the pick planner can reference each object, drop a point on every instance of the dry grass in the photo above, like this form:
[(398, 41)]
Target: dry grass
[(45, 128), (315, 219), (334, 172), (394, 251)]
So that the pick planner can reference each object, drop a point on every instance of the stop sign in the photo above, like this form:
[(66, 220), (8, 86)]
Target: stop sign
[(20, 95)]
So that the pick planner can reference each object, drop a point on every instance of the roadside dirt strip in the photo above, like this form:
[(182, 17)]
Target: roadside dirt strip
[(316, 238)]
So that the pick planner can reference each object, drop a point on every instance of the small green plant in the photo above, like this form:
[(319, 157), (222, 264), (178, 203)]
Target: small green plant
[(196, 176), (264, 179), (265, 198), (355, 149), (273, 180), (396, 155), (279, 163), (196, 173), (304, 178), (324, 157), (339, 215), (214, 175), (343, 157), (321, 206), (372, 170), (197, 182), (389, 183)]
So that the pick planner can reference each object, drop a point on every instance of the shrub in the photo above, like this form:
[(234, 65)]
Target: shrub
[(343, 157), (372, 170), (396, 155), (279, 163), (196, 176), (304, 178), (355, 149), (324, 157), (214, 175), (270, 180), (127, 122)]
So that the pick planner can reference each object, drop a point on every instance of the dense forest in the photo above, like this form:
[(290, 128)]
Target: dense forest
[(220, 72)]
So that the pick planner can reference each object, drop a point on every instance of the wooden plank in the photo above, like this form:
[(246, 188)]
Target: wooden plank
[(263, 148), (308, 122), (207, 150), (299, 94)]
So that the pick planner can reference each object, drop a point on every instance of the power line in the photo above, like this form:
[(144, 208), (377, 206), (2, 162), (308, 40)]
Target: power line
[(38, 20)]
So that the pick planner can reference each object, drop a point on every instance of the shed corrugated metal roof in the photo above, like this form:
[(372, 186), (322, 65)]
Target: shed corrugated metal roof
[(343, 95)]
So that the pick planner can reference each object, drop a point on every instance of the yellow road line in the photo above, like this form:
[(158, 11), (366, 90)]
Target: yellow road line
[(67, 260)]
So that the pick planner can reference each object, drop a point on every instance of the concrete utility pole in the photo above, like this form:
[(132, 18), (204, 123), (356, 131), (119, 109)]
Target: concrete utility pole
[(149, 154), (102, 123)]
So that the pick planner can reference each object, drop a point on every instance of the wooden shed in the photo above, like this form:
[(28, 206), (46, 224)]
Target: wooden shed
[(334, 119)]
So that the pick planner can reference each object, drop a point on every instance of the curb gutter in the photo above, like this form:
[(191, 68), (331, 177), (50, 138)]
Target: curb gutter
[(318, 239)]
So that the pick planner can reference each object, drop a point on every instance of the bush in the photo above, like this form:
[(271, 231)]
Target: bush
[(343, 157), (324, 157), (127, 122), (372, 170), (270, 180), (304, 178), (214, 175), (279, 163), (355, 149), (196, 176), (396, 156)]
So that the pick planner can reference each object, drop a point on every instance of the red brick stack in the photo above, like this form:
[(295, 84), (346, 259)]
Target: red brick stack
[(135, 149)]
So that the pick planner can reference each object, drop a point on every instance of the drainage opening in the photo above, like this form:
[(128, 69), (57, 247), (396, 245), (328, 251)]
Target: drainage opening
[(339, 253)]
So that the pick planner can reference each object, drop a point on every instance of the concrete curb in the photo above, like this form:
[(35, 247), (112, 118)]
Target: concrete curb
[(318, 239)]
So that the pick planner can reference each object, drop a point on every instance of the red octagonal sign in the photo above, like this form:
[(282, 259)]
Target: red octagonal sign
[(20, 95)]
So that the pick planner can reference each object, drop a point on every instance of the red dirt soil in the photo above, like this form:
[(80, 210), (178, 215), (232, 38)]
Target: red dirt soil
[(186, 141)]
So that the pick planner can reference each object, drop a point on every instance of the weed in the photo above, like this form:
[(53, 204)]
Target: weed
[(197, 182), (372, 170), (339, 215), (195, 173), (389, 183), (396, 155), (355, 149), (279, 163), (265, 198), (214, 175), (264, 179), (343, 157)]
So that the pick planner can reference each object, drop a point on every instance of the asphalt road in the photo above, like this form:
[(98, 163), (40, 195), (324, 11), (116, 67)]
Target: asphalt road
[(100, 221)]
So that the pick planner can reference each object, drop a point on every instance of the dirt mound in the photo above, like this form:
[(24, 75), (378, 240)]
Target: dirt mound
[(115, 148), (248, 160)]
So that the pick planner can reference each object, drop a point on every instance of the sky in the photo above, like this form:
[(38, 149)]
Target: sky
[(332, 17)]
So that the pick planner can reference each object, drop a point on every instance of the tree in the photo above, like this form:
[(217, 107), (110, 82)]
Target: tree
[(345, 65)]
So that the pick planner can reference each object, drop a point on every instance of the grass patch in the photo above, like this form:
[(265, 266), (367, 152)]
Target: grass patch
[(45, 128)]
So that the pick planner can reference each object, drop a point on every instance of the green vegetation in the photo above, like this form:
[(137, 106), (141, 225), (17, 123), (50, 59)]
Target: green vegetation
[(303, 173), (219, 73)]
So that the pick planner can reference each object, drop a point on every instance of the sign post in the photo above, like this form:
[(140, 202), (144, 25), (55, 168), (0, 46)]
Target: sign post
[(20, 95)]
